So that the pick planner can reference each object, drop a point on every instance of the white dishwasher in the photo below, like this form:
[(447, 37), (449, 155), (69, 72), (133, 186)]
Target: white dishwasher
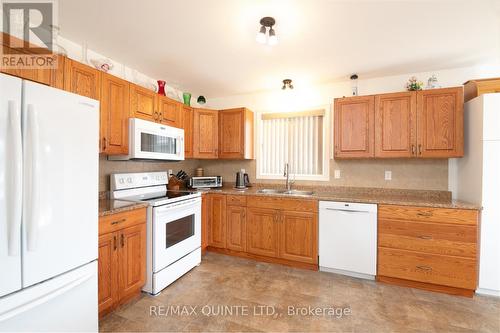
[(348, 238)]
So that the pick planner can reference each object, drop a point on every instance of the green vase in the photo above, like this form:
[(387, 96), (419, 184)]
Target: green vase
[(187, 98)]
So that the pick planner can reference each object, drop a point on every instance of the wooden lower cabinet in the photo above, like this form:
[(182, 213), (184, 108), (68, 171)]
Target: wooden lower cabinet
[(217, 221), (428, 248), (236, 228), (263, 231), (108, 272), (122, 258), (271, 229), (299, 237)]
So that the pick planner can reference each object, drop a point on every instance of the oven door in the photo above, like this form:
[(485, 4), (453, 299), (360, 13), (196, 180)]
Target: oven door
[(156, 141), (176, 231)]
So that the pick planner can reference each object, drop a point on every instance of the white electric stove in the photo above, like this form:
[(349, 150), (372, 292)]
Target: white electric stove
[(173, 225)]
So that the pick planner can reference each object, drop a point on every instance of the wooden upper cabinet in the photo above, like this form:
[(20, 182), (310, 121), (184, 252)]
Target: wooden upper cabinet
[(263, 231), (132, 260), (170, 112), (143, 103), (82, 79), (236, 228), (114, 115), (53, 76), (354, 127), (236, 128), (108, 271), (299, 236), (217, 221), (396, 124), (187, 122), (205, 133), (440, 118)]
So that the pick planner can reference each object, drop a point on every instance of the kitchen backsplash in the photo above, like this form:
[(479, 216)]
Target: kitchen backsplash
[(406, 174)]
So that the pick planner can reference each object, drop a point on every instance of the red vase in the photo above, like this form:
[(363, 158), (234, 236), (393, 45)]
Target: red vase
[(161, 87)]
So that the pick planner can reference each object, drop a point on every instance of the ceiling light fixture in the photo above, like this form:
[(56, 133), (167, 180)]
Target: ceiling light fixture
[(287, 83), (267, 22)]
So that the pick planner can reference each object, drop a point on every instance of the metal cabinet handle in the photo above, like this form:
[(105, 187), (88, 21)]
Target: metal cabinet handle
[(123, 240), (114, 242), (425, 237), (424, 214), (155, 115), (420, 149), (413, 151), (424, 268), (117, 222), (104, 145)]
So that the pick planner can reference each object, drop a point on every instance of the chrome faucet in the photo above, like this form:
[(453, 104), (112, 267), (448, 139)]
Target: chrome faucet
[(286, 174)]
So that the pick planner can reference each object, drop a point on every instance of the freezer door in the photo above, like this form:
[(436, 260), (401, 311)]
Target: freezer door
[(60, 204), (67, 303), (10, 184)]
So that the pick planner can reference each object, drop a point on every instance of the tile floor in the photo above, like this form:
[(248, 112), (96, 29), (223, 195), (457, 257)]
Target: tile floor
[(231, 294)]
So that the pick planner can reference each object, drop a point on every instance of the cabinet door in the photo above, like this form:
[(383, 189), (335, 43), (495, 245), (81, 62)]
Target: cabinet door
[(82, 79), (354, 127), (53, 76), (440, 118), (143, 103), (132, 260), (217, 221), (299, 236), (170, 112), (396, 125), (187, 115), (205, 133), (262, 231), (236, 133), (114, 115), (236, 228), (108, 271)]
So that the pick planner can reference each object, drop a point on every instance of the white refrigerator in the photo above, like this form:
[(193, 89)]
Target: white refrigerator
[(48, 208), (477, 181)]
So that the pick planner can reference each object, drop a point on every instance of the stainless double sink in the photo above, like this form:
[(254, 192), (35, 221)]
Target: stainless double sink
[(285, 192)]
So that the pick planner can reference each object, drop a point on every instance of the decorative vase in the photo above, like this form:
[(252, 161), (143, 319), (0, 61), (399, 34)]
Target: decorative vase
[(187, 98), (161, 87)]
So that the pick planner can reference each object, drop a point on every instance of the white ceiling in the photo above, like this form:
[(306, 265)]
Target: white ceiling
[(208, 46)]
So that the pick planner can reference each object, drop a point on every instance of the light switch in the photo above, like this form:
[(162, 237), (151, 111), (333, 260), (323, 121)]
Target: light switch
[(337, 174), (388, 175)]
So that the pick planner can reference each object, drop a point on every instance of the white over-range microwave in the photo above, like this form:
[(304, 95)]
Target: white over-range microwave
[(153, 141)]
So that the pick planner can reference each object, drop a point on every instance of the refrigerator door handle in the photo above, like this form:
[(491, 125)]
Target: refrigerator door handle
[(33, 179), (44, 298), (14, 185)]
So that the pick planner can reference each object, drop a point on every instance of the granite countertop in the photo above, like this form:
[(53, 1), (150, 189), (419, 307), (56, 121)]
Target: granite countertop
[(435, 199), (110, 206)]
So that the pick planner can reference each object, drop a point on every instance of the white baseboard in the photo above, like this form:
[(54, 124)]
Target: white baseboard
[(489, 292)]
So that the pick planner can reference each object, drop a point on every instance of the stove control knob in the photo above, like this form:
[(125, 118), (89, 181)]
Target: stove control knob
[(121, 180), (129, 180)]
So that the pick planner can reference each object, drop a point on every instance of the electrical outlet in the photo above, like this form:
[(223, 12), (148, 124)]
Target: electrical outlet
[(170, 172), (243, 171), (388, 175), (337, 174)]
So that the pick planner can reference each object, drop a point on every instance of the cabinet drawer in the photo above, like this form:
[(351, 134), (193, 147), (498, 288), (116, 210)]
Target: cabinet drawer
[(236, 200), (429, 214), (118, 221), (299, 205), (455, 240), (428, 268)]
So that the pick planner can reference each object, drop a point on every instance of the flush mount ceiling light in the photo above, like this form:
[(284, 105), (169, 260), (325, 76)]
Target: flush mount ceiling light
[(287, 83), (267, 22)]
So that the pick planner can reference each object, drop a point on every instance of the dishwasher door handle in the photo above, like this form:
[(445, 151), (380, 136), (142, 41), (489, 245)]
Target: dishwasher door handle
[(347, 210)]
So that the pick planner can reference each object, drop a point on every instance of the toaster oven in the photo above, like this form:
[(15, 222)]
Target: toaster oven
[(205, 182)]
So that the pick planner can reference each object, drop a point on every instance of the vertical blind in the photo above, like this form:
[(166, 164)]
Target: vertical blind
[(291, 138)]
